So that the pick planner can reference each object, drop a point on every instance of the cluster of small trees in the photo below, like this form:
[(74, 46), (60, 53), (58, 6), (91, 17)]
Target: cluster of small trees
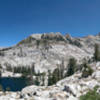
[(40, 79), (71, 67), (54, 76), (60, 73), (25, 71), (57, 74), (21, 69)]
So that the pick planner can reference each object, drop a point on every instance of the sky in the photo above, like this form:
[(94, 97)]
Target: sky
[(21, 18)]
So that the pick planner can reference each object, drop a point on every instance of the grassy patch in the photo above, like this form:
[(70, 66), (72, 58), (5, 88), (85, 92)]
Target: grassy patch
[(91, 95)]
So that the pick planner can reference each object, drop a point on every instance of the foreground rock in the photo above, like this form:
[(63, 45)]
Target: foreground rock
[(76, 87), (70, 88)]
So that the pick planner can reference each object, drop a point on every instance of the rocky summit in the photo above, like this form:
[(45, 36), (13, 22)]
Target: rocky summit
[(47, 50), (61, 67)]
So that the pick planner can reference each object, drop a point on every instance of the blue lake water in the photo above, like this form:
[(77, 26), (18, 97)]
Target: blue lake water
[(15, 84)]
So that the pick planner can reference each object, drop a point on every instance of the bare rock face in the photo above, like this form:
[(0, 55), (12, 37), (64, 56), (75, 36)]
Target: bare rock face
[(61, 49), (47, 51), (69, 88), (36, 36)]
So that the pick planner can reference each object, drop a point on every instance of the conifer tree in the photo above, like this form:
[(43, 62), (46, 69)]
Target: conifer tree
[(37, 82), (56, 75), (50, 82), (96, 53), (71, 66)]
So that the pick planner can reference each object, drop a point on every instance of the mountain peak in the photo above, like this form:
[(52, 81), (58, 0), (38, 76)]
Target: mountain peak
[(36, 35)]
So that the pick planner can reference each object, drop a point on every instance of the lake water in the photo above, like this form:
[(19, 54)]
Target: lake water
[(15, 84)]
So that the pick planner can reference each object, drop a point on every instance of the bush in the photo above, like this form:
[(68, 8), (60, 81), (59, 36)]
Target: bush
[(91, 95), (87, 70)]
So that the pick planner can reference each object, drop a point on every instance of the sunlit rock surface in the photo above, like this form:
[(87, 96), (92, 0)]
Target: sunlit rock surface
[(46, 51)]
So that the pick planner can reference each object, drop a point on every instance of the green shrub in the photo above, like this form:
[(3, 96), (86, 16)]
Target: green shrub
[(91, 95), (87, 71)]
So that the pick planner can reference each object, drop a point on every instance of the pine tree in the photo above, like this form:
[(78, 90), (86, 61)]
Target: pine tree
[(50, 82), (56, 75), (37, 43), (96, 53), (43, 78), (33, 69), (71, 66), (37, 82), (61, 70)]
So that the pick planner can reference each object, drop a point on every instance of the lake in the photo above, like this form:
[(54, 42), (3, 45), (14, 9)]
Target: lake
[(15, 84)]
